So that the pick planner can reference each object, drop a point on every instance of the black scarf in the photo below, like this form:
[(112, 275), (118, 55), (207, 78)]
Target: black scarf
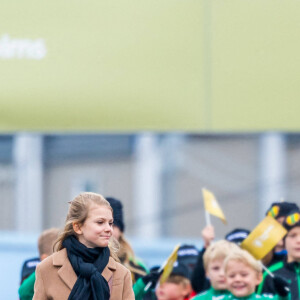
[(88, 264)]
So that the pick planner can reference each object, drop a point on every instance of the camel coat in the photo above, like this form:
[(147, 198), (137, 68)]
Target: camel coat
[(55, 279)]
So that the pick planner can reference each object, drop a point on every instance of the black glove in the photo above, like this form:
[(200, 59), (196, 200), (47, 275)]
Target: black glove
[(152, 277), (282, 287)]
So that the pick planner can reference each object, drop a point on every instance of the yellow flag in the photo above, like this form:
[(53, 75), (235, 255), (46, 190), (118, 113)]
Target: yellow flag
[(264, 237), (168, 265), (211, 205)]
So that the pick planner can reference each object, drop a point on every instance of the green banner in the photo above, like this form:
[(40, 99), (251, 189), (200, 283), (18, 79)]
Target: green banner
[(192, 65)]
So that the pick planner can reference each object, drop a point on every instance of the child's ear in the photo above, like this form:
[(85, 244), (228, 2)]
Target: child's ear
[(76, 228), (206, 275), (186, 290), (259, 278), (43, 256)]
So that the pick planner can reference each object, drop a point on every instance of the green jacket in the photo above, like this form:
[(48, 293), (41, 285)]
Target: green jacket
[(139, 293), (255, 296), (26, 289), (211, 294)]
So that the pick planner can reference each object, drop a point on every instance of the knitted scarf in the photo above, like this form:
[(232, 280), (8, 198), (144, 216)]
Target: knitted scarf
[(88, 264)]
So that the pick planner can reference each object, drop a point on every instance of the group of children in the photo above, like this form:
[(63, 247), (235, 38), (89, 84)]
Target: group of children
[(221, 270), (225, 271)]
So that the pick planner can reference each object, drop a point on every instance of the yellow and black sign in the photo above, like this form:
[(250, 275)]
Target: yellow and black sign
[(264, 237)]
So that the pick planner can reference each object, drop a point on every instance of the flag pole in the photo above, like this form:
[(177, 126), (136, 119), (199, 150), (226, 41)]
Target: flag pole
[(272, 276), (162, 267), (267, 270), (207, 218)]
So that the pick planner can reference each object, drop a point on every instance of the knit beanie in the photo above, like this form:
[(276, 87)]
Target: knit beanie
[(292, 220), (187, 256), (281, 209), (181, 270), (237, 235), (117, 207)]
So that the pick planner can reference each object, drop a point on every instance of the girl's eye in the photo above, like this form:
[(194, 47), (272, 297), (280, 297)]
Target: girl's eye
[(100, 222), (111, 224)]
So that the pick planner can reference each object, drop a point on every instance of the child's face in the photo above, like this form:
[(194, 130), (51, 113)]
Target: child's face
[(170, 291), (241, 279), (97, 228), (215, 273), (292, 244)]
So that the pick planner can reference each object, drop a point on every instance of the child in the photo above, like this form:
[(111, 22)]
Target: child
[(289, 269), (279, 211), (243, 273), (125, 254), (45, 245), (213, 259), (176, 287), (84, 266), (199, 282)]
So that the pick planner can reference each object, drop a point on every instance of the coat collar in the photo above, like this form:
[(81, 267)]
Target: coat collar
[(67, 274)]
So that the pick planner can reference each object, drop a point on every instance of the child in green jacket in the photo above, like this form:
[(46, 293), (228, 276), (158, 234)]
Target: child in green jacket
[(213, 259), (243, 273)]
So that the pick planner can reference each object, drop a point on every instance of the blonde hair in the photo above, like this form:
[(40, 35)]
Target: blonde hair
[(78, 213), (245, 257), (126, 254), (218, 250), (46, 241)]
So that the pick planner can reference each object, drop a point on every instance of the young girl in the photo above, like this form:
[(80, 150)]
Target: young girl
[(126, 253), (85, 265)]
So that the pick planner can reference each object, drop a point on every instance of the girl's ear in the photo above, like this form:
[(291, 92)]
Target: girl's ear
[(76, 228)]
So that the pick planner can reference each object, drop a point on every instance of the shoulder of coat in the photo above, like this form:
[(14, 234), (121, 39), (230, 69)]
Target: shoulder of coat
[(120, 268), (55, 259)]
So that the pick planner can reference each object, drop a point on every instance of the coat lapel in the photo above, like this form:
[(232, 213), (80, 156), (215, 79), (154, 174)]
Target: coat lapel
[(66, 272), (108, 270)]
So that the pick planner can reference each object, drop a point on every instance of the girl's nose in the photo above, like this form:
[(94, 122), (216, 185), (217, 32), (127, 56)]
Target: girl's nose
[(108, 227)]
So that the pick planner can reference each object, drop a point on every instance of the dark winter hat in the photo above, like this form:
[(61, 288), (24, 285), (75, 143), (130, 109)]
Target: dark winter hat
[(281, 209), (292, 220), (187, 255), (28, 267), (237, 235), (117, 207), (181, 270)]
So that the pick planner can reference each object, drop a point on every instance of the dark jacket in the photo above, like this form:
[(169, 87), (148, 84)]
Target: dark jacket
[(288, 271), (199, 281)]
